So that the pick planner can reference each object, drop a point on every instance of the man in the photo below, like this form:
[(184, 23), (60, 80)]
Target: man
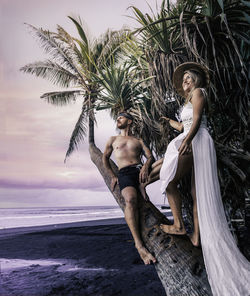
[(128, 151)]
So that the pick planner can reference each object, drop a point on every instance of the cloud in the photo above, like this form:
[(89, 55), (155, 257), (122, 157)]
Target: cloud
[(87, 184), (53, 198)]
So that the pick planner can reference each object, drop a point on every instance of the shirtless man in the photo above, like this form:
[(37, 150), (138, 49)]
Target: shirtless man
[(128, 151)]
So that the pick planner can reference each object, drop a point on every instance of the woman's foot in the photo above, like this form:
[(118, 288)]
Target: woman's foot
[(195, 240), (173, 229), (145, 255)]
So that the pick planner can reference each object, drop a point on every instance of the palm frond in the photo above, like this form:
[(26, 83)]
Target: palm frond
[(56, 49), (107, 48), (79, 131), (53, 72), (67, 38), (61, 98), (82, 34), (121, 88)]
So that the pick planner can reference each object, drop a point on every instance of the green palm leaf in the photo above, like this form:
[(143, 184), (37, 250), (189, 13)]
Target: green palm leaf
[(67, 38), (80, 30)]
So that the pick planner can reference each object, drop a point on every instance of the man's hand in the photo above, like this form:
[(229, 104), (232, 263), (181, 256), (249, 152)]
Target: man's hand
[(143, 177), (185, 147), (114, 181)]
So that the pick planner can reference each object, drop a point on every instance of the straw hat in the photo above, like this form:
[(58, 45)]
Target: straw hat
[(179, 72)]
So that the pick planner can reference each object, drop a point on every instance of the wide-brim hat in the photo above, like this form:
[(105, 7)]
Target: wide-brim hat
[(179, 73)]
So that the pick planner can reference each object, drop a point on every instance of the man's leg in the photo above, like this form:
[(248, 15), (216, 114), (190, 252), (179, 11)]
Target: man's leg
[(132, 218), (184, 166)]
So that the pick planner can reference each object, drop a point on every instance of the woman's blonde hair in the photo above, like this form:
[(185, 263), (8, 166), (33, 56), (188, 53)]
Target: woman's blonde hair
[(198, 79)]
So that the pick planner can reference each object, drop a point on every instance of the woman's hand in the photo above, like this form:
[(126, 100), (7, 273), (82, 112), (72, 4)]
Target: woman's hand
[(185, 147), (164, 118), (174, 124)]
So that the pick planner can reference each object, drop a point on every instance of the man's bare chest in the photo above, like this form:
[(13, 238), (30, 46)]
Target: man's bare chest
[(127, 144)]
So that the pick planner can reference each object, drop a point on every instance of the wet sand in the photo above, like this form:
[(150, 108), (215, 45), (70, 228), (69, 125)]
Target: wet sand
[(94, 258)]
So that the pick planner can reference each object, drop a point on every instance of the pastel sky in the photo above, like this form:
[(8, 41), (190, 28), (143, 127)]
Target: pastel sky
[(34, 135)]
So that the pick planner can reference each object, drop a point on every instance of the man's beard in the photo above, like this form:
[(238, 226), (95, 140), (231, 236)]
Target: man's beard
[(121, 126)]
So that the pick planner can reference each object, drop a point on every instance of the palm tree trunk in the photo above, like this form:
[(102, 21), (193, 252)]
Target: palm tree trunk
[(180, 266)]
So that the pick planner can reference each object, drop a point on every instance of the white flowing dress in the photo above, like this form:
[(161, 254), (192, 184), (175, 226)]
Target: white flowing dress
[(227, 269)]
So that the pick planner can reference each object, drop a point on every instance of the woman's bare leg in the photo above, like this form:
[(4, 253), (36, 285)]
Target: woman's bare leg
[(175, 202), (153, 176), (195, 236), (184, 166), (155, 173)]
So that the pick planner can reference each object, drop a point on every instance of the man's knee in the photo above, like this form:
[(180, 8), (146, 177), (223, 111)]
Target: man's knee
[(130, 200)]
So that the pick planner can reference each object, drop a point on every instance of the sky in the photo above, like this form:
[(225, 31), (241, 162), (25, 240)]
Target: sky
[(34, 135)]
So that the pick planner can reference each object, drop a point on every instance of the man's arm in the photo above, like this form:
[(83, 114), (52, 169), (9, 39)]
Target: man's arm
[(105, 159), (150, 159)]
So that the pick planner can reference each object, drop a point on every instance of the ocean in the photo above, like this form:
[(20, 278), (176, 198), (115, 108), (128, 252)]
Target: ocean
[(26, 217)]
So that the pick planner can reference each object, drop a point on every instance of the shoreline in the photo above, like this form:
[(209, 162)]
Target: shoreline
[(29, 229), (10, 231)]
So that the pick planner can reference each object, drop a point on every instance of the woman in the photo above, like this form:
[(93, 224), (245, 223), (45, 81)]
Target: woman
[(228, 270)]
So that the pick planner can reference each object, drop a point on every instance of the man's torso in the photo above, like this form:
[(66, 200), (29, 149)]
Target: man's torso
[(127, 151)]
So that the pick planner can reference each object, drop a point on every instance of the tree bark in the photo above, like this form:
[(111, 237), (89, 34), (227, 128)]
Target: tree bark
[(180, 266)]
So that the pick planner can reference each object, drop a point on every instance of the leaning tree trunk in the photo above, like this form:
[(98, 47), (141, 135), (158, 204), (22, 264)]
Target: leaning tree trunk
[(180, 266)]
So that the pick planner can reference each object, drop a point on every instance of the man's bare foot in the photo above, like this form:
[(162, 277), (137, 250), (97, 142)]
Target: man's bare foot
[(142, 188), (195, 240), (145, 255), (172, 229)]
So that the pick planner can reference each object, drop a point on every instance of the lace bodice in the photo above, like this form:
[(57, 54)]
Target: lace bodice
[(187, 115)]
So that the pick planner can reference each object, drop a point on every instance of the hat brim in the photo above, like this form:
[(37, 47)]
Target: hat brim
[(179, 72)]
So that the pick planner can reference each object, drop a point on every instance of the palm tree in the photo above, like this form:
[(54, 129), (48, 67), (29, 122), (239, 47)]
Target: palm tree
[(74, 61)]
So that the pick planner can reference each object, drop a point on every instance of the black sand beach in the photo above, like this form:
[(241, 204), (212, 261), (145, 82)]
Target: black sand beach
[(88, 258)]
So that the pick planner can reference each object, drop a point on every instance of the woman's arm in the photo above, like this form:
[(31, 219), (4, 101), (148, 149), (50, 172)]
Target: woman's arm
[(175, 124), (198, 102)]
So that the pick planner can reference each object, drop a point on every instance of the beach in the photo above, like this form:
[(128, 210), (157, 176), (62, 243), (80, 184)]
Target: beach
[(90, 258), (83, 258)]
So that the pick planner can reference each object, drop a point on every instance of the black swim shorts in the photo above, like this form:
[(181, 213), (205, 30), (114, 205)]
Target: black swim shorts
[(129, 176)]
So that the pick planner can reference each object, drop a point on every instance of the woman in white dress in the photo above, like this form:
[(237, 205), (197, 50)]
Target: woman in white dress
[(189, 79), (228, 270)]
